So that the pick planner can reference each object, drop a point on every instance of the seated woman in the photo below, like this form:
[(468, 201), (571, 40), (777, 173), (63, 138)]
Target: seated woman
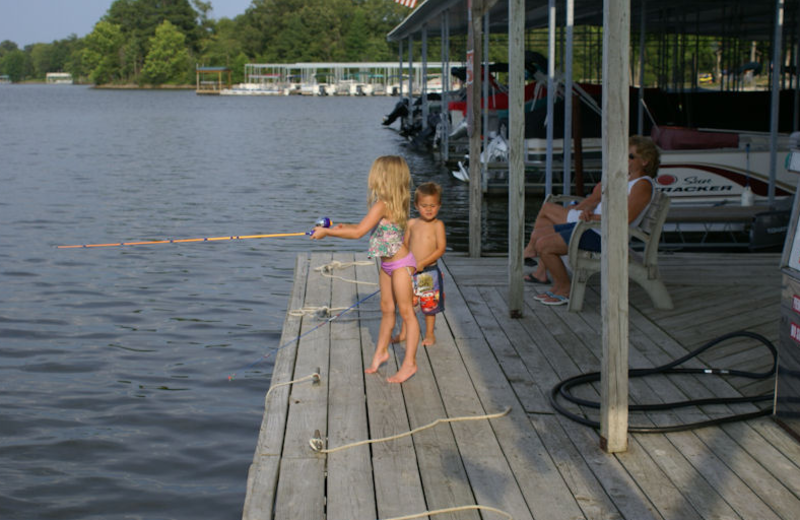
[(643, 162), (550, 215)]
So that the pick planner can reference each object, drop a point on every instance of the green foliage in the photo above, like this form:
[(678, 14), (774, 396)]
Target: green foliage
[(104, 54), (14, 63), (138, 20), (168, 60)]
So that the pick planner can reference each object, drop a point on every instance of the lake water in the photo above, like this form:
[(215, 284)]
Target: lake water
[(114, 362)]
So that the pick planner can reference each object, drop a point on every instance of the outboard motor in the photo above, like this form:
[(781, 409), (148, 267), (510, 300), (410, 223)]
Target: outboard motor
[(400, 110)]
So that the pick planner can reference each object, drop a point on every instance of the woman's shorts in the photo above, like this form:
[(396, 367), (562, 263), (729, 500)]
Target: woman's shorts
[(590, 240)]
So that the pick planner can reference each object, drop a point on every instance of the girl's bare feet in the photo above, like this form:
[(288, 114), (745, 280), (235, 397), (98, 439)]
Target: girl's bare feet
[(429, 340), (377, 360), (403, 374)]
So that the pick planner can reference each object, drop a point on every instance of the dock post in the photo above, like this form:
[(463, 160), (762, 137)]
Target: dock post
[(614, 270), (516, 166)]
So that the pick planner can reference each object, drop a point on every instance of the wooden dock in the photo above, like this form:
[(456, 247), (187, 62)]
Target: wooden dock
[(532, 463)]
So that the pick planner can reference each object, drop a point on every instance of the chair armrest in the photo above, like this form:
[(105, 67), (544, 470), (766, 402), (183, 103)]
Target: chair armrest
[(637, 233), (560, 199)]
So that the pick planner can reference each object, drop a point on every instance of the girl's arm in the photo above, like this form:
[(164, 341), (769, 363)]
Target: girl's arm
[(354, 231), (441, 245)]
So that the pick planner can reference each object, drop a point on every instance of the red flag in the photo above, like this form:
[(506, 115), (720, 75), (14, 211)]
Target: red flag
[(407, 3)]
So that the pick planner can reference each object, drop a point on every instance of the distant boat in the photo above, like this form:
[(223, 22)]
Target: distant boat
[(58, 78)]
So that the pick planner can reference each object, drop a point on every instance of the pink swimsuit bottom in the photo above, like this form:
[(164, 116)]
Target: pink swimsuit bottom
[(408, 261)]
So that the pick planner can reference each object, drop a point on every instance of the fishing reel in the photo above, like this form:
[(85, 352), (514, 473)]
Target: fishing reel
[(321, 222)]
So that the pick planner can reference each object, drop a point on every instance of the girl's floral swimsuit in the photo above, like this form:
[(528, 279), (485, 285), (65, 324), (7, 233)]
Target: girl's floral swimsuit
[(385, 241)]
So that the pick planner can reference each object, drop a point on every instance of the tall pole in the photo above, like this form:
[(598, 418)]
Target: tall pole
[(640, 104), (774, 114), (485, 63), (614, 263), (516, 163), (567, 188), (424, 83), (474, 127), (551, 95)]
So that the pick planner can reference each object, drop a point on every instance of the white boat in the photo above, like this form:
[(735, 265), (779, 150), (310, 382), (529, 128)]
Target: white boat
[(58, 78), (254, 89), (702, 167)]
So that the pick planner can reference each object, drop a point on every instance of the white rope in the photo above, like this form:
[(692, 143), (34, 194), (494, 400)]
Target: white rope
[(453, 510), (323, 311), (317, 444), (326, 312), (327, 270), (315, 376)]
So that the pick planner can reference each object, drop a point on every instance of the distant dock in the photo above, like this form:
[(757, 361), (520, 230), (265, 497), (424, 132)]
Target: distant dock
[(533, 462)]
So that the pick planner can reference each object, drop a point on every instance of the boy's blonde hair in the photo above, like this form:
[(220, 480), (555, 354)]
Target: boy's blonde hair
[(428, 188), (390, 181)]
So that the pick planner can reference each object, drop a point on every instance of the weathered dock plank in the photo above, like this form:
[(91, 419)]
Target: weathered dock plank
[(534, 462), (350, 493)]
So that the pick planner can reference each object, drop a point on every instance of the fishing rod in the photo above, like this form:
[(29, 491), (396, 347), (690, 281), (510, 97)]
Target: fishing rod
[(321, 222)]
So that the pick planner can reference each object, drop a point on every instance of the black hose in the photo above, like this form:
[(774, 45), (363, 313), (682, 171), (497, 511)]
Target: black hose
[(563, 389)]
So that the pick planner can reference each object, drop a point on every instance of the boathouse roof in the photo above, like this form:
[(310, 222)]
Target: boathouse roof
[(747, 19)]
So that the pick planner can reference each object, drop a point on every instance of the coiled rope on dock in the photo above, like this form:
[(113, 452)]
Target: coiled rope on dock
[(328, 269), (317, 443)]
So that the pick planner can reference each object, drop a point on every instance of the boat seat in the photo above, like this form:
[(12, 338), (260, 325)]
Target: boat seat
[(642, 265)]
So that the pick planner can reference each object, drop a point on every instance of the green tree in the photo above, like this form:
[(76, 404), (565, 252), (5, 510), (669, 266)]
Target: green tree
[(42, 58), (14, 64), (357, 38), (168, 60), (139, 19), (103, 55), (7, 46)]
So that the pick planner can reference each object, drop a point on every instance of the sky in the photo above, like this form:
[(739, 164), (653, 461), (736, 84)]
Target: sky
[(44, 21)]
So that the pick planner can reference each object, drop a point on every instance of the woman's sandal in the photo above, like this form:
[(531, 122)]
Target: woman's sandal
[(532, 279)]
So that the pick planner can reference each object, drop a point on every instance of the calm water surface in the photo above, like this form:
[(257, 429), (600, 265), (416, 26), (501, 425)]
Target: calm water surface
[(114, 362)]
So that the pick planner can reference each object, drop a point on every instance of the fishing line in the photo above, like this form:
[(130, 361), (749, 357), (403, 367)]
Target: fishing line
[(301, 336)]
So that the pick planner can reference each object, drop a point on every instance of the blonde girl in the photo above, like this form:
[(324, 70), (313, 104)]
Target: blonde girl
[(389, 201)]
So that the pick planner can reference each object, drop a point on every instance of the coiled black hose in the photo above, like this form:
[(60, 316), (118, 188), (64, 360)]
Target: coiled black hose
[(564, 387)]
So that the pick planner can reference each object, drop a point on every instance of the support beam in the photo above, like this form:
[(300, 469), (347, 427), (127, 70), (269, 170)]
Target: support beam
[(640, 104), (614, 264), (445, 149), (424, 84), (516, 164), (551, 95), (474, 61), (570, 22), (775, 105)]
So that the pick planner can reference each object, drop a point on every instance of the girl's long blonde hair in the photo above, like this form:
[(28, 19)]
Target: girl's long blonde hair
[(390, 181)]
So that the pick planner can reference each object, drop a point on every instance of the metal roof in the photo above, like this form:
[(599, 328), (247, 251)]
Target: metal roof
[(747, 19)]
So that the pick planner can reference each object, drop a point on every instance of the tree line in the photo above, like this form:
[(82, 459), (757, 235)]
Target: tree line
[(160, 42)]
